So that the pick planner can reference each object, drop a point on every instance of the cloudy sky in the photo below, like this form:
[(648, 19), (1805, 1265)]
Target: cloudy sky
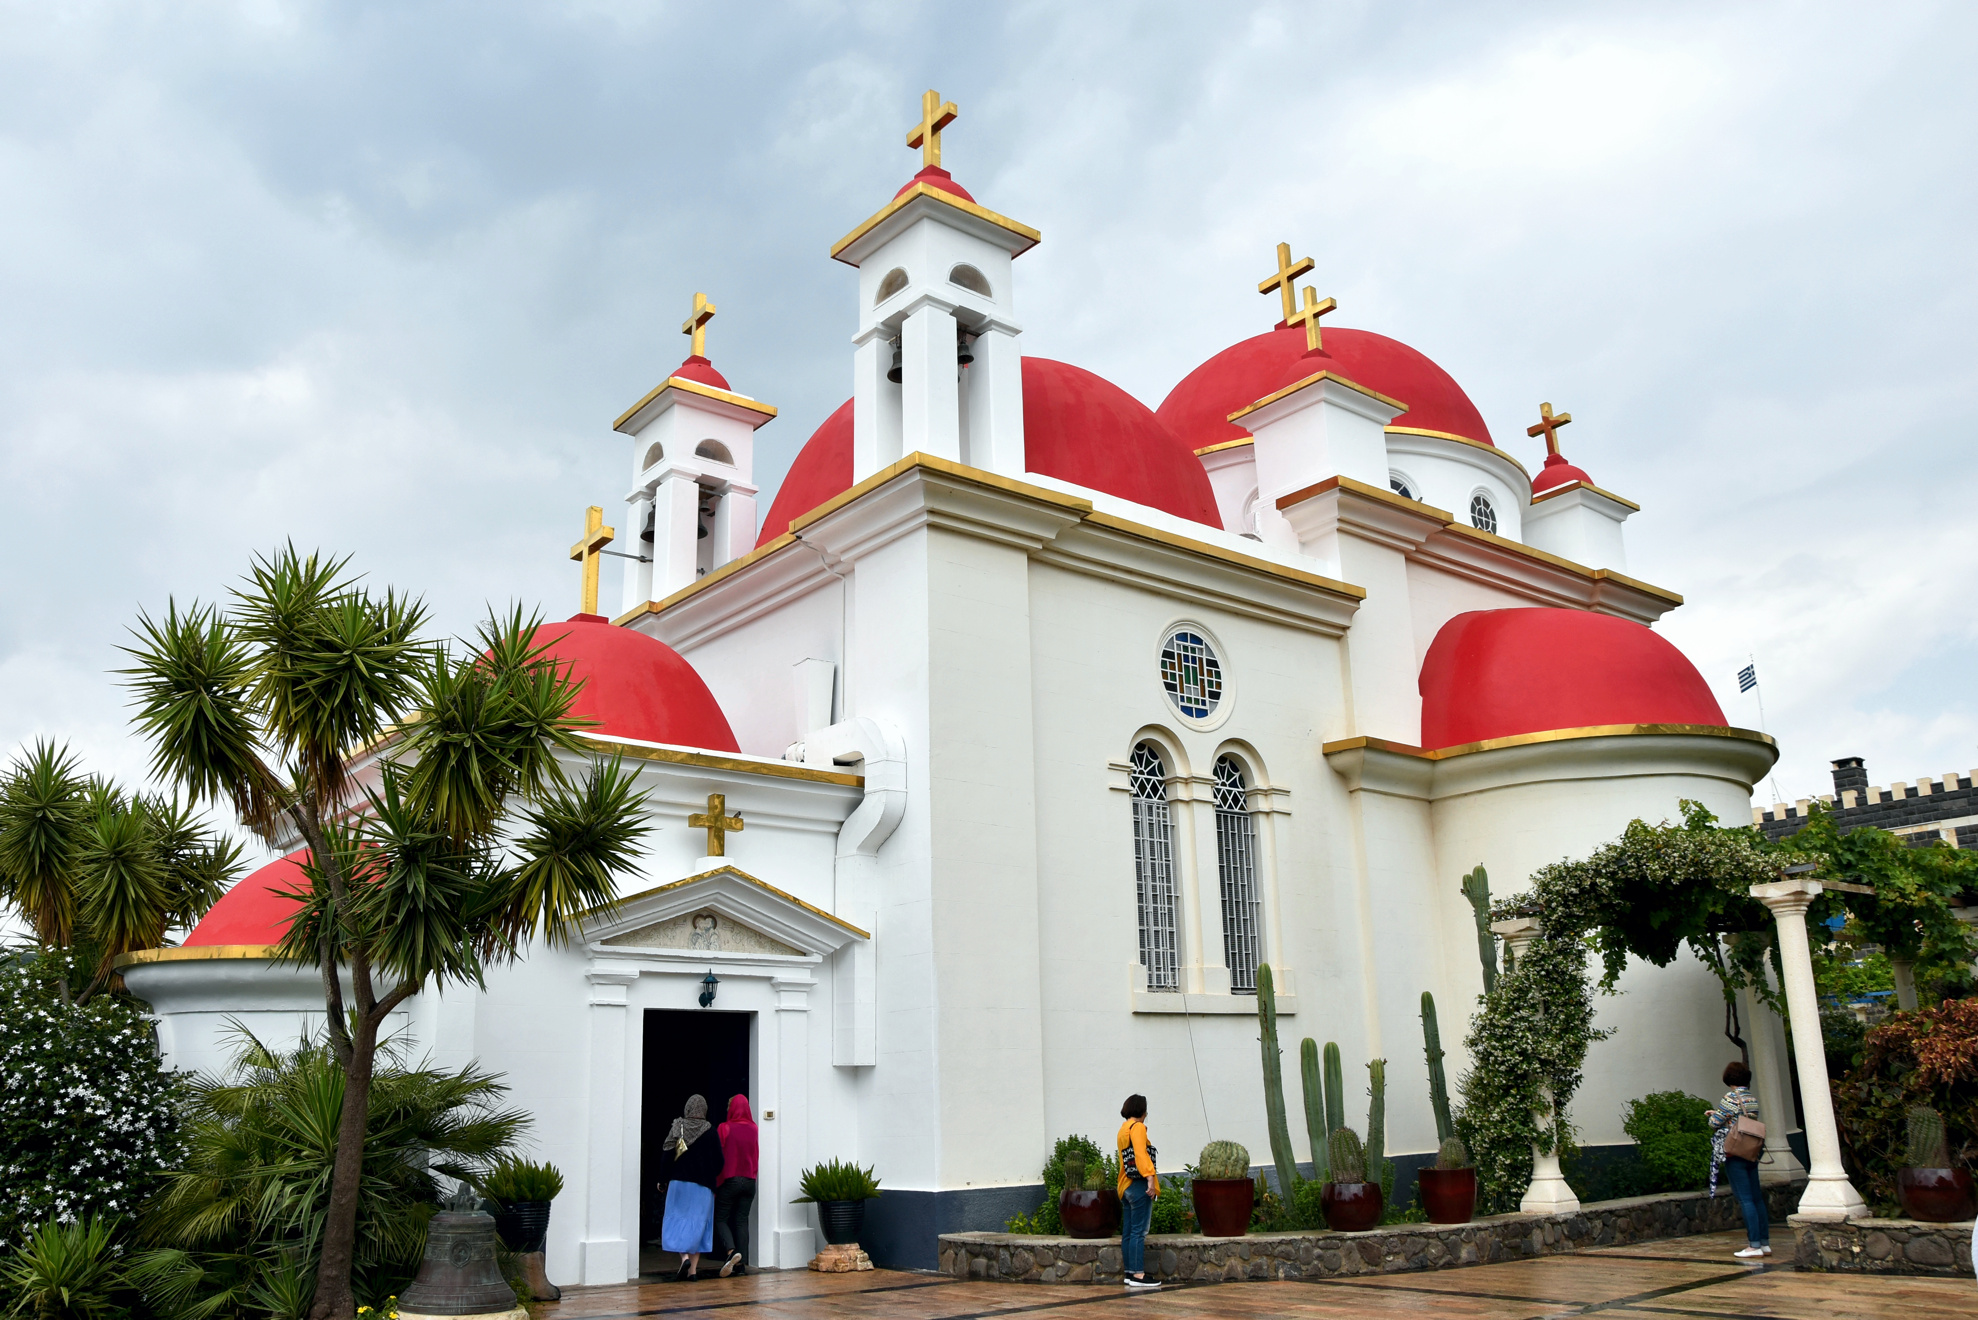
[(377, 277)]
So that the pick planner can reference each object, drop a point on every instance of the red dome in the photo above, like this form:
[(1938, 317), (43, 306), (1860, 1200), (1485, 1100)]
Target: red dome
[(936, 177), (699, 370), (1077, 427), (252, 912), (636, 686), (1499, 673), (1558, 472), (1197, 410)]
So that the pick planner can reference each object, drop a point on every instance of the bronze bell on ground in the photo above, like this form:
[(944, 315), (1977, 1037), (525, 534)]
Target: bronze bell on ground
[(459, 1275)]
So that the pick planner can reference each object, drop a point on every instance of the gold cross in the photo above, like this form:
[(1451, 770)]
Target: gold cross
[(1548, 425), (596, 537), (935, 115), (1287, 271), (1314, 308), (696, 323), (716, 823)]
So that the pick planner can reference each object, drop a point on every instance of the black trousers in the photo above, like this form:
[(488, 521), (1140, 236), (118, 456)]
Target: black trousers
[(732, 1202)]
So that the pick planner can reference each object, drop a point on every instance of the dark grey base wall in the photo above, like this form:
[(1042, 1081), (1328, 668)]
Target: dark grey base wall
[(903, 1229)]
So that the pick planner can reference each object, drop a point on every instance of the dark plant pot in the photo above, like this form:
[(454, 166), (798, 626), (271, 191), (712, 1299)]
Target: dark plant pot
[(522, 1225), (1940, 1196), (1223, 1205), (1089, 1214), (1351, 1207), (1449, 1195), (841, 1220)]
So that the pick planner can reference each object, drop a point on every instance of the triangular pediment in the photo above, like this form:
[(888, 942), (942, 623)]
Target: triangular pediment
[(725, 911)]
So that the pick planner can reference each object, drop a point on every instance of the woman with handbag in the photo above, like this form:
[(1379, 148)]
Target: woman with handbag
[(1737, 1141), (1139, 1184)]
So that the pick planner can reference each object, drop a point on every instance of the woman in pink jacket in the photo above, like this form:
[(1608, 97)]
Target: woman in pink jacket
[(734, 1191)]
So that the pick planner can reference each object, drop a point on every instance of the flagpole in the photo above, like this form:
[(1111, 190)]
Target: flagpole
[(1758, 689)]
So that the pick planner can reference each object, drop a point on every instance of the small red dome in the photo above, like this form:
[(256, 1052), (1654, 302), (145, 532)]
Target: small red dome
[(1558, 472), (1500, 673), (636, 686), (1197, 410), (701, 371), (253, 912), (1077, 427), (936, 177)]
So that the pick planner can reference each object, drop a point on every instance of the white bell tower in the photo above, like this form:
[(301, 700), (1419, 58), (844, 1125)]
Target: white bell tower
[(937, 366), (692, 502)]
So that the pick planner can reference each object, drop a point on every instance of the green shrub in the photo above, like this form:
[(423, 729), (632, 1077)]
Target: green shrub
[(517, 1182), (837, 1181), (1099, 1170), (1928, 1057), (1673, 1136), (69, 1272), (1174, 1211)]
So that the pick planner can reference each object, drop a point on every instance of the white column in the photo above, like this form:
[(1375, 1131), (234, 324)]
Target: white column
[(607, 1254), (1829, 1194), (930, 405), (995, 403), (1206, 907), (675, 534), (638, 577), (1775, 1096), (734, 524), (875, 405), (1549, 1193), (1903, 971), (793, 1242)]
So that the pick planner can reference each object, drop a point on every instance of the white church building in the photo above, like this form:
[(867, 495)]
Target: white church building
[(986, 767)]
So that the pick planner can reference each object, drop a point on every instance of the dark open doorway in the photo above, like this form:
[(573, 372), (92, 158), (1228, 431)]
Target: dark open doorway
[(687, 1052)]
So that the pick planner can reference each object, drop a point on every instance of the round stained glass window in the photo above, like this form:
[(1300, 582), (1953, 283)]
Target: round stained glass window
[(1191, 673)]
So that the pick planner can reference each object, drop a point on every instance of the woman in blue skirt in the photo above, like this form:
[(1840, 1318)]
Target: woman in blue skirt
[(688, 1168)]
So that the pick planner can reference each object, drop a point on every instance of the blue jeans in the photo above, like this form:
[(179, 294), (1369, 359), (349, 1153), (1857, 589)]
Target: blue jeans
[(1751, 1199), (1136, 1213)]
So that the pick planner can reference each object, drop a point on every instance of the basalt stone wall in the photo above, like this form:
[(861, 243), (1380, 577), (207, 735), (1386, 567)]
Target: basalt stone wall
[(1883, 1246), (1398, 1248)]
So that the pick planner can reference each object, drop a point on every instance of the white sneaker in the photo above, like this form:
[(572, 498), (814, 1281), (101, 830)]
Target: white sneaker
[(1142, 1284), (1750, 1252), (1768, 1250)]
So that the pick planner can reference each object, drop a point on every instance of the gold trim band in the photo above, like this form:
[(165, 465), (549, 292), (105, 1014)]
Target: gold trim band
[(1585, 485), (1227, 444), (946, 198), (1546, 736), (767, 411), (1314, 379), (718, 761), (1506, 455), (194, 953), (764, 885)]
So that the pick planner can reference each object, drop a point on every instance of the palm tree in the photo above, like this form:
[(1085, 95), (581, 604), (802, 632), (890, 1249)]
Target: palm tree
[(465, 839)]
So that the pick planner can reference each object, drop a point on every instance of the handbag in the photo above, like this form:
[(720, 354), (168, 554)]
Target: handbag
[(1746, 1139)]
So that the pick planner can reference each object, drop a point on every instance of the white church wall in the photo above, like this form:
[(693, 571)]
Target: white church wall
[(1447, 473)]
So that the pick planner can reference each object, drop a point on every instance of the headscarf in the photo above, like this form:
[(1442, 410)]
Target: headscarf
[(690, 1127), (738, 1110)]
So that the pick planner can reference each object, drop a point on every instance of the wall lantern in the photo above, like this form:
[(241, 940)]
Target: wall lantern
[(708, 984)]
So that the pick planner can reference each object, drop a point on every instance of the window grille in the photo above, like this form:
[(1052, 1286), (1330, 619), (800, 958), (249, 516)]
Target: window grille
[(1236, 859), (1153, 869), (1191, 674), (1482, 516)]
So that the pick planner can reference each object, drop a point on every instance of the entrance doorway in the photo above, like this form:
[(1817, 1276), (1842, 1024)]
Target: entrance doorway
[(687, 1052)]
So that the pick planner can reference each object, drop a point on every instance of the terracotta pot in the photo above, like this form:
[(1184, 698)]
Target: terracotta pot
[(1351, 1207), (842, 1221), (1940, 1196), (1089, 1214), (1449, 1195), (1223, 1205)]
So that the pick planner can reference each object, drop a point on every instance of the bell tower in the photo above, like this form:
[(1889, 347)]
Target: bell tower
[(937, 365)]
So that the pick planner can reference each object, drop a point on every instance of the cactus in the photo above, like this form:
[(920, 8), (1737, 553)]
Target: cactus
[(1476, 888), (1223, 1159), (1075, 1169), (1315, 1105), (1335, 1090), (1452, 1154), (1378, 1164), (1349, 1161), (1928, 1148), (1445, 1127), (1282, 1154)]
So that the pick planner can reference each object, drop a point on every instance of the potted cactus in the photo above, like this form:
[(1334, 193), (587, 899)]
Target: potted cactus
[(1222, 1191), (1449, 1190), (1352, 1204), (1930, 1189), (1088, 1206)]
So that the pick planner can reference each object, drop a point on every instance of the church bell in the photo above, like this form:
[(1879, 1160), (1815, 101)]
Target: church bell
[(895, 372), (458, 1275)]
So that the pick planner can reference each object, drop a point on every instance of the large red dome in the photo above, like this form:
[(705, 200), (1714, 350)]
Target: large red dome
[(1500, 673), (1197, 410), (636, 686), (252, 912), (1077, 427)]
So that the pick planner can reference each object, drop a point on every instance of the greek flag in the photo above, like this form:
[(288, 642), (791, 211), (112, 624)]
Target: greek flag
[(1748, 678)]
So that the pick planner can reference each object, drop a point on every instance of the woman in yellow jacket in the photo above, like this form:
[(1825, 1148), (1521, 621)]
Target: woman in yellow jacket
[(1139, 1184)]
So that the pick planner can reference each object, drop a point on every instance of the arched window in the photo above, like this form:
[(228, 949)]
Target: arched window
[(715, 450), (654, 453), (894, 281), (1153, 869), (968, 277), (1236, 861), (1400, 483), (1482, 516)]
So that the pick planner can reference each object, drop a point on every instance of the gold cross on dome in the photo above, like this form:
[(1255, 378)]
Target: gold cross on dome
[(717, 824), (1287, 271), (596, 537), (1548, 426), (696, 323), (935, 115), (1309, 315)]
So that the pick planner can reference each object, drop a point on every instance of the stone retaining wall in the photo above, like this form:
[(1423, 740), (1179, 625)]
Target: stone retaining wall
[(1883, 1246), (1397, 1248)]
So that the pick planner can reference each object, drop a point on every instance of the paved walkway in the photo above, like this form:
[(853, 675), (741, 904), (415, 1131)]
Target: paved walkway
[(1685, 1279)]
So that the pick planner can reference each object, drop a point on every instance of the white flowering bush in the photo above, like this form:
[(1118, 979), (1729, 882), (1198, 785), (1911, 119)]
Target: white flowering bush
[(88, 1117)]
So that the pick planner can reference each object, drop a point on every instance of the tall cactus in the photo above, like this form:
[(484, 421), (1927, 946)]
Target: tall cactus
[(1445, 1127), (1315, 1105), (1335, 1091), (1476, 888), (1379, 1168), (1282, 1153)]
